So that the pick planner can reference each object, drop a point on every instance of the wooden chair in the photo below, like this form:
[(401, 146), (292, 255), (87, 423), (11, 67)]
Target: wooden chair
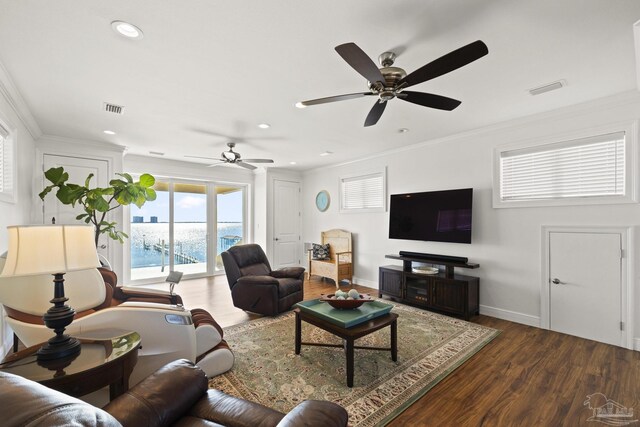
[(339, 266)]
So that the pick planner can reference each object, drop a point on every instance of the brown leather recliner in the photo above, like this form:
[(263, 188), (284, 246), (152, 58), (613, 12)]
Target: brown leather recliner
[(176, 394), (257, 288)]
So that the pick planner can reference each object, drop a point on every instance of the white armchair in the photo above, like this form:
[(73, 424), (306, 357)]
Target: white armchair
[(168, 332)]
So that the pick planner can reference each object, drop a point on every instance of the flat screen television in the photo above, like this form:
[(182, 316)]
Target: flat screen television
[(436, 216)]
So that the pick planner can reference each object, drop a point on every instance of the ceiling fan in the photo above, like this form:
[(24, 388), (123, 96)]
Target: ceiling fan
[(390, 82), (234, 158)]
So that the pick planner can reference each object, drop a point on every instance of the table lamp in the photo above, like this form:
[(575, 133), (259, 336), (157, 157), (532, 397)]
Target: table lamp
[(54, 249)]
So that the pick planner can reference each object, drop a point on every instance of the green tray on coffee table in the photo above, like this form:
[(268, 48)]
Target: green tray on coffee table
[(345, 318)]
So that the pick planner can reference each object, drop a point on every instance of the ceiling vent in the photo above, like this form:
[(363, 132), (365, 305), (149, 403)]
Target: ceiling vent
[(548, 87), (113, 108)]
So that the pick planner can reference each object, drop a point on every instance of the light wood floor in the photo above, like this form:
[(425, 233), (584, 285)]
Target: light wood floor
[(526, 376)]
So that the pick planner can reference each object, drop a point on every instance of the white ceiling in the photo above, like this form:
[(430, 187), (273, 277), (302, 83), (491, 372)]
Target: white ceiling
[(224, 67)]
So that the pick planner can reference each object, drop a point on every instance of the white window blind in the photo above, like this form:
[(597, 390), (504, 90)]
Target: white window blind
[(363, 192), (588, 167), (5, 165)]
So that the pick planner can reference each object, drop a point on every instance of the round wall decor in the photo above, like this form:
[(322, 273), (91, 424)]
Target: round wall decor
[(323, 200)]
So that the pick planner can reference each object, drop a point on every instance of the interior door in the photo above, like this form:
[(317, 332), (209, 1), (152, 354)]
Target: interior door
[(585, 285), (286, 224), (78, 169)]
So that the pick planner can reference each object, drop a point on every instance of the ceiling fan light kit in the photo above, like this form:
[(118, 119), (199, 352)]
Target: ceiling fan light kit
[(390, 82)]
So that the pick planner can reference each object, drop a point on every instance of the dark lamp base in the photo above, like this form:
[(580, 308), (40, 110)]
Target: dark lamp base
[(59, 347)]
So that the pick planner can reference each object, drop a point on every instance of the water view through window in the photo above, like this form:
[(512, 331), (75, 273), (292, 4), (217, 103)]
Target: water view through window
[(152, 237)]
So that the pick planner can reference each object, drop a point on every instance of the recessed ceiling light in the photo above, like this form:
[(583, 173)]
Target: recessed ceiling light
[(109, 132), (300, 105), (264, 125), (127, 30), (326, 153), (403, 130), (292, 163)]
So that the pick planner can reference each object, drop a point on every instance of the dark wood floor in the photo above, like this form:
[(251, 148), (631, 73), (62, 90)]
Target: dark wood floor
[(526, 376)]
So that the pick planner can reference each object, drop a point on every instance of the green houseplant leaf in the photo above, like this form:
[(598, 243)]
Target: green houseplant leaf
[(97, 202)]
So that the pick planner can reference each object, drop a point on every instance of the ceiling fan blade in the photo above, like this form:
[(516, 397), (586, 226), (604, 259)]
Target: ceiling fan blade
[(200, 157), (257, 160), (333, 99), (375, 113), (217, 164), (447, 63), (245, 165), (429, 100), (360, 62)]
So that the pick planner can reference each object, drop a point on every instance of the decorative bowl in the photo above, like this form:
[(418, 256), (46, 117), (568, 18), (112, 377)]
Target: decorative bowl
[(346, 304)]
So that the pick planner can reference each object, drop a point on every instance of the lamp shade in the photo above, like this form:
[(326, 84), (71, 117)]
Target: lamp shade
[(42, 249)]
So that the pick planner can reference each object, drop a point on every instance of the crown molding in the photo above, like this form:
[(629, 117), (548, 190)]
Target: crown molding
[(617, 100), (100, 145), (16, 101)]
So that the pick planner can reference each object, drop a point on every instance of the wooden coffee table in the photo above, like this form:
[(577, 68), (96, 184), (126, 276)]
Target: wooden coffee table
[(349, 335), (106, 359)]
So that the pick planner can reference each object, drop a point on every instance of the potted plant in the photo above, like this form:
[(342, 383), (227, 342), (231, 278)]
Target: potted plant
[(98, 202)]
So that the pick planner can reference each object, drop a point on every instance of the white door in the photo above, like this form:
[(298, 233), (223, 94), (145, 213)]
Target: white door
[(78, 170), (286, 223), (585, 285)]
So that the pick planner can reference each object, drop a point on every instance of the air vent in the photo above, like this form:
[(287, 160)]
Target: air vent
[(113, 108), (548, 87)]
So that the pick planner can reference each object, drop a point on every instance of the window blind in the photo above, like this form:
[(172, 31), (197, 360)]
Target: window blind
[(3, 160), (363, 192), (588, 167)]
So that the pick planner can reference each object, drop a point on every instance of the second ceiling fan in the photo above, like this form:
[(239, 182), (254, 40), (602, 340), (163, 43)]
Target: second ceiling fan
[(390, 82), (234, 158)]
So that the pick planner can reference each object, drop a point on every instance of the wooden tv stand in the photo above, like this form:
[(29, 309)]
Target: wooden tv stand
[(445, 292)]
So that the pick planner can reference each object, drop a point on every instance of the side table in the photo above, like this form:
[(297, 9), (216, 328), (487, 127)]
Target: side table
[(106, 360)]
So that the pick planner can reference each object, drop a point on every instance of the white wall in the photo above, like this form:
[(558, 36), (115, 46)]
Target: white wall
[(506, 242), (19, 212)]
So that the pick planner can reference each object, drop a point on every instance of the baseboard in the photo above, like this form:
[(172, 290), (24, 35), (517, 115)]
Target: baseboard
[(512, 316), (636, 344), (366, 283)]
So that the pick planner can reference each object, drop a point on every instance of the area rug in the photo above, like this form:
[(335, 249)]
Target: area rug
[(267, 370)]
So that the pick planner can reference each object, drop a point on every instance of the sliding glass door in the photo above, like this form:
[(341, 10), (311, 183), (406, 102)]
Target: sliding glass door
[(176, 231), (230, 229), (149, 235)]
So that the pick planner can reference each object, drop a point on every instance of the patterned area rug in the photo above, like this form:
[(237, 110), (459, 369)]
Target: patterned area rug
[(268, 371)]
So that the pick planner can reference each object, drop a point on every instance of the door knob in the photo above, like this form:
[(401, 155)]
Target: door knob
[(103, 246), (276, 239), (556, 281)]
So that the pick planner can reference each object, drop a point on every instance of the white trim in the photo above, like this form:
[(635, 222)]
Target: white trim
[(512, 316), (16, 101), (85, 143), (627, 308), (636, 36), (11, 141), (636, 346), (631, 161)]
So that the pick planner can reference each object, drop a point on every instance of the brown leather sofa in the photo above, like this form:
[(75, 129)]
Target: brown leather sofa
[(175, 395), (257, 288)]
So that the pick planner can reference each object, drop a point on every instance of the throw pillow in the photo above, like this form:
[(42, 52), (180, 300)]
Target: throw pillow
[(320, 252)]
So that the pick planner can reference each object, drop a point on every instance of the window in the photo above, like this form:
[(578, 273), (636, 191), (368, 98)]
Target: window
[(588, 170), (7, 165), (186, 228), (363, 193)]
